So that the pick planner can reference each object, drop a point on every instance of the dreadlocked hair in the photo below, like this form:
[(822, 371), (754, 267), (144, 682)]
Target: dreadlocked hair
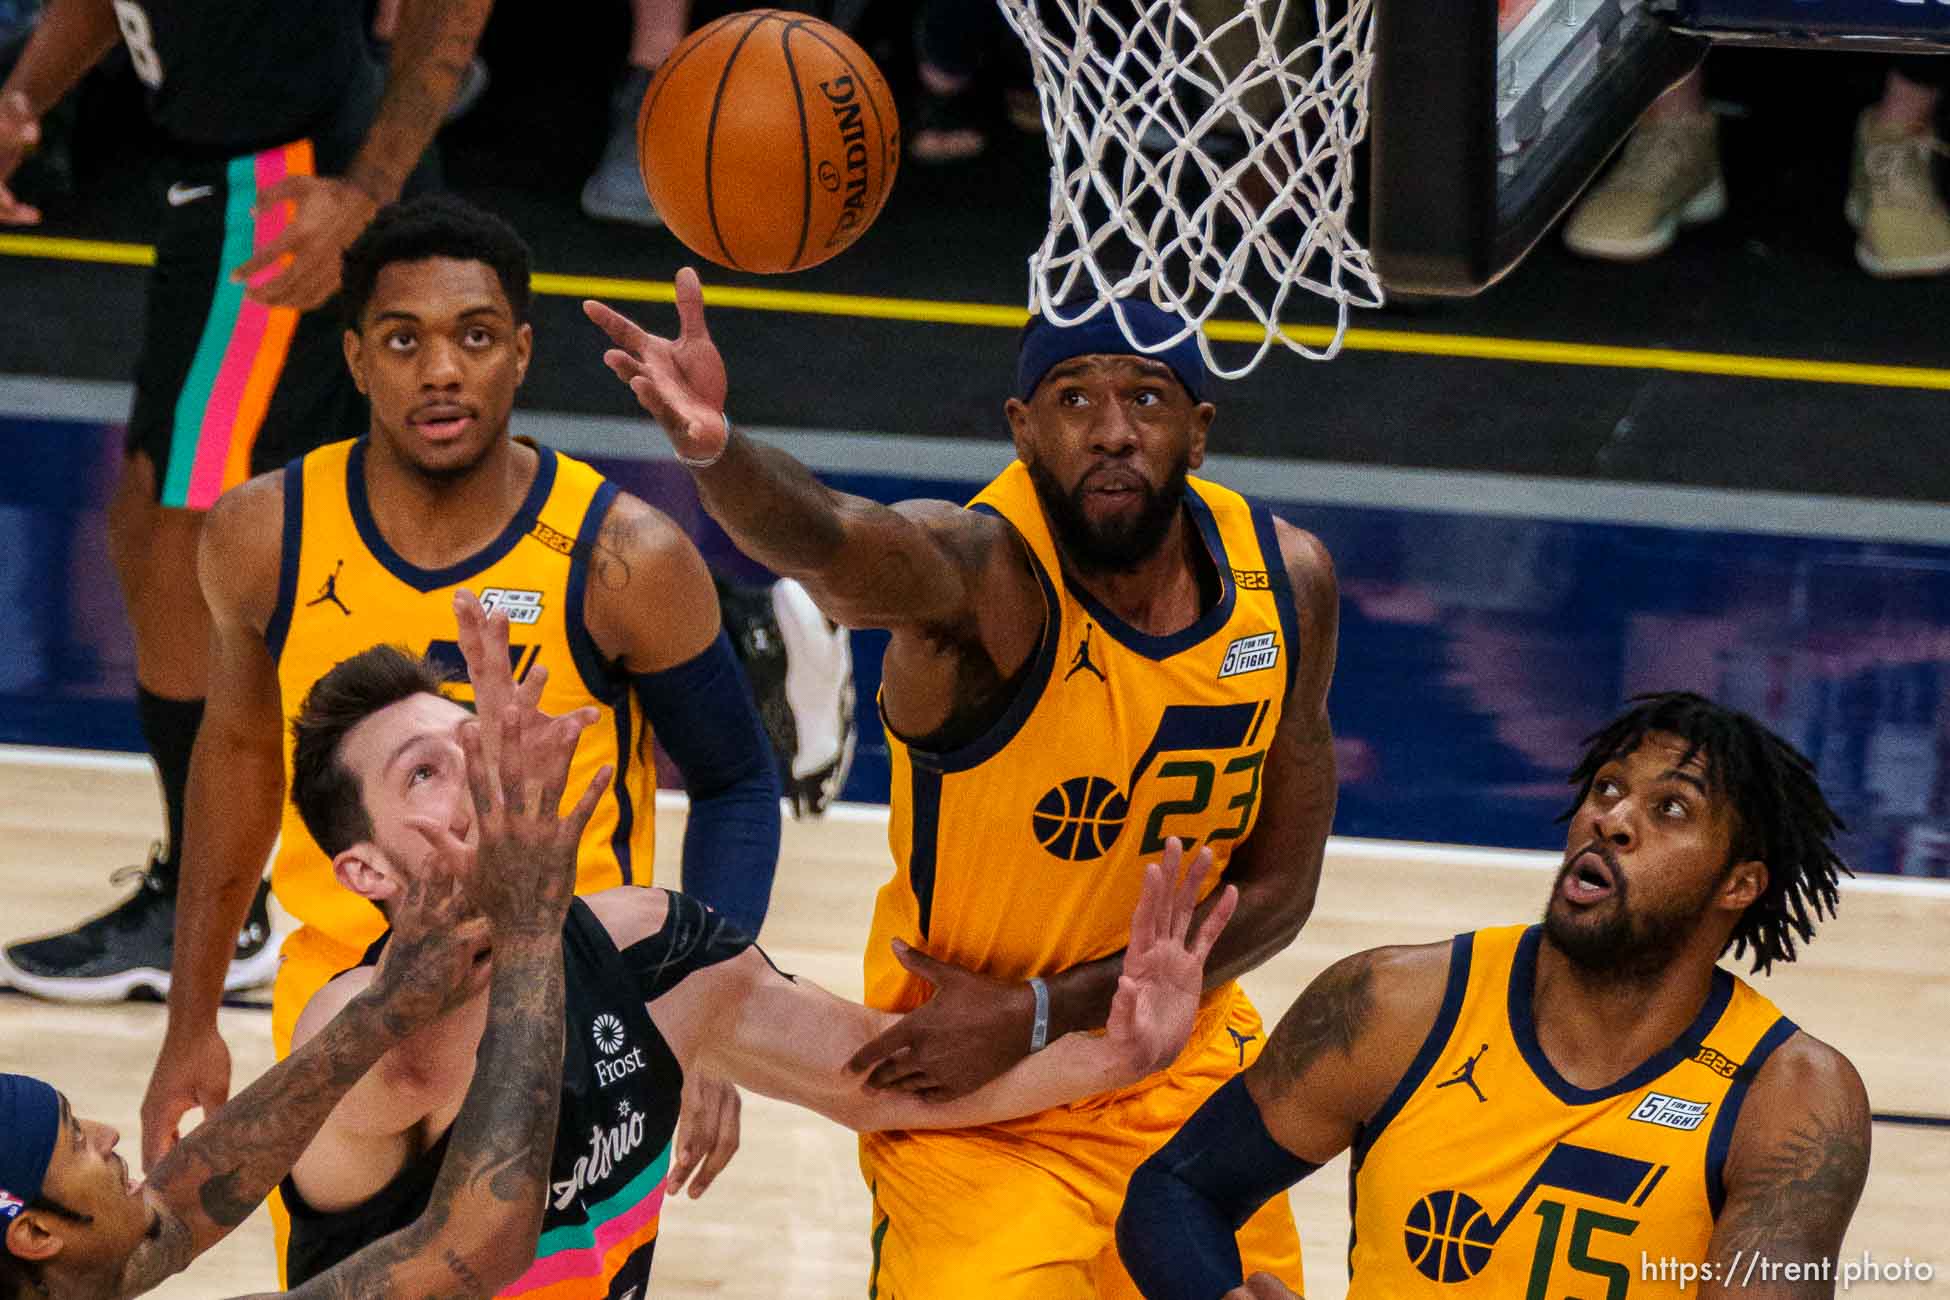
[(1781, 817)]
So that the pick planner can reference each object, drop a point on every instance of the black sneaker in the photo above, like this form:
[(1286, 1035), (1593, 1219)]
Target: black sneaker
[(801, 669), (125, 952)]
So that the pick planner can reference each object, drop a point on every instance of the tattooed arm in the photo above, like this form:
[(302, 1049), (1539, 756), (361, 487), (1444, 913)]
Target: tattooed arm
[(1799, 1158), (432, 45), (478, 1231), (431, 48), (1330, 1064), (212, 1180)]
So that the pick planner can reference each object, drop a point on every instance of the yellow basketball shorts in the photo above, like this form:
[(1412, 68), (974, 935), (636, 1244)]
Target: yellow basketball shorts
[(307, 963), (1026, 1210)]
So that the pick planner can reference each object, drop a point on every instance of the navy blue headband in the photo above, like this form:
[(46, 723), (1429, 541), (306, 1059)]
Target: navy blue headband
[(1045, 344), (30, 1121)]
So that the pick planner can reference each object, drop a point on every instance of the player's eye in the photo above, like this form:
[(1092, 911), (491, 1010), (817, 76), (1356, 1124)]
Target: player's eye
[(1673, 807), (1605, 786), (421, 772), (1150, 397), (479, 336), (399, 342), (1071, 397)]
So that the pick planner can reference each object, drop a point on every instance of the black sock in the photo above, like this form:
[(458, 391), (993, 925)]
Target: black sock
[(170, 728)]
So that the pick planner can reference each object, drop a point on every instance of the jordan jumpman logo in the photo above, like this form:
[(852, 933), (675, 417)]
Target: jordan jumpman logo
[(1081, 661), (1466, 1073), (330, 591)]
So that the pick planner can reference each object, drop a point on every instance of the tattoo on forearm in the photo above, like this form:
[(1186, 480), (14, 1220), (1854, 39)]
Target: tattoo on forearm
[(225, 1168), (432, 47), (165, 1251), (1330, 1015), (493, 1185), (1802, 1192)]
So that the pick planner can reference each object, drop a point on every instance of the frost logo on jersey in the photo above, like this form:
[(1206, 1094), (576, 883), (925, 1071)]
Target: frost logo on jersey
[(608, 1148), (522, 607), (609, 1034), (1251, 654), (1671, 1112)]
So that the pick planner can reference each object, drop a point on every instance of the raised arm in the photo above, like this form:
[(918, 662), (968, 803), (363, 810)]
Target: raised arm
[(479, 1229), (1328, 1066), (922, 564), (236, 789), (69, 38), (431, 47), (1793, 1175), (214, 1178)]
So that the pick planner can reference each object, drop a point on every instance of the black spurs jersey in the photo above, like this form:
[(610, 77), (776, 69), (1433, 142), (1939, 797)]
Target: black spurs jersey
[(620, 1091), (227, 77)]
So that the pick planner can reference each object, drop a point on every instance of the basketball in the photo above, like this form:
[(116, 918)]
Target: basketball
[(768, 141)]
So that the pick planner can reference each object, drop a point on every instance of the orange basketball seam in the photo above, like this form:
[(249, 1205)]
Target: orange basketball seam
[(805, 140), (711, 134)]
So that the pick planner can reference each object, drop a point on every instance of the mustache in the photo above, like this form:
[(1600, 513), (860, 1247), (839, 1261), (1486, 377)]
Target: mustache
[(1598, 847)]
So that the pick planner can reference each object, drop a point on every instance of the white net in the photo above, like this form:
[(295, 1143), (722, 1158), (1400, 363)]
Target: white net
[(1206, 165)]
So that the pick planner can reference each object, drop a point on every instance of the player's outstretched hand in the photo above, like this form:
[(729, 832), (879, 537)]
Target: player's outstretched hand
[(1164, 967), (490, 669), (20, 131), (525, 866), (1263, 1286), (437, 957), (681, 381), (328, 215)]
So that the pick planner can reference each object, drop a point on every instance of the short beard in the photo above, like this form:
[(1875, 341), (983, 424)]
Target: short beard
[(1620, 946), (1118, 548)]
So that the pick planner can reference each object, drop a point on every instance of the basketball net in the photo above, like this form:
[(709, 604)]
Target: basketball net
[(1202, 169)]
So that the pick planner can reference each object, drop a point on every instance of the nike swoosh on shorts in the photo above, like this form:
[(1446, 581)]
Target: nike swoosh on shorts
[(179, 193)]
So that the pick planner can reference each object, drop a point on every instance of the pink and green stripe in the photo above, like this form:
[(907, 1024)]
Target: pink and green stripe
[(577, 1260), (243, 347)]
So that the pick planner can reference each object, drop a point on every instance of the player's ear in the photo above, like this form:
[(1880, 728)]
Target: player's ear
[(29, 1237), (524, 349), (1744, 883), (1017, 412), (355, 358), (1201, 424), (364, 869)]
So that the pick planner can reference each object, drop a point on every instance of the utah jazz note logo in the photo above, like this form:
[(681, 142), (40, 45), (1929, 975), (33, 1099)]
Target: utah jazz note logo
[(1082, 817), (1450, 1236)]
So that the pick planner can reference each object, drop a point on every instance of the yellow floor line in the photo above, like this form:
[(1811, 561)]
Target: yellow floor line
[(941, 312)]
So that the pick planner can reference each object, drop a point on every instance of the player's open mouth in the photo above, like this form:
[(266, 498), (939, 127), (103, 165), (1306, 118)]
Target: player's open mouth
[(441, 423), (1589, 880)]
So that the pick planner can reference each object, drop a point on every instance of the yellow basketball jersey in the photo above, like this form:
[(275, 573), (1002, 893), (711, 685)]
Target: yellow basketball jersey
[(1022, 852), (342, 589), (1486, 1173)]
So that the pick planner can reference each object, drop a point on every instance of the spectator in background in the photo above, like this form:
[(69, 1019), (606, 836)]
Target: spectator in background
[(1669, 176), (614, 191), (953, 42), (280, 137)]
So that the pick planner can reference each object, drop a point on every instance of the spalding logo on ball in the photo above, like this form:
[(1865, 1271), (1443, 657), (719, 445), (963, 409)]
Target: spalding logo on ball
[(768, 141)]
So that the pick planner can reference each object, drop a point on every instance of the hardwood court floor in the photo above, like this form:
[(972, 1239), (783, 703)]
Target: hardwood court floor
[(789, 1217)]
